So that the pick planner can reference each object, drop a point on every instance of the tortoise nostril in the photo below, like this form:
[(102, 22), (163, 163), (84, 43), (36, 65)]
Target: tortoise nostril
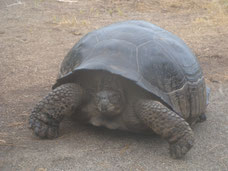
[(103, 105)]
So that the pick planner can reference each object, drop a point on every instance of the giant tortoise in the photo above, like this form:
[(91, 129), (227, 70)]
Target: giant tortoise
[(132, 76)]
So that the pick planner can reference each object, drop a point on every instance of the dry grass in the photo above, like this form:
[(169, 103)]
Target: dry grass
[(70, 21), (124, 149), (2, 141), (168, 6), (224, 4), (216, 13), (212, 12), (16, 124), (181, 5), (41, 169)]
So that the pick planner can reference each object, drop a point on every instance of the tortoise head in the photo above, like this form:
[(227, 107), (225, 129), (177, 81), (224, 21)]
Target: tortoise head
[(110, 102), (110, 99)]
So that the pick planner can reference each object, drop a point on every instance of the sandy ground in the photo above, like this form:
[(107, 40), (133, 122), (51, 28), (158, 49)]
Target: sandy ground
[(35, 35)]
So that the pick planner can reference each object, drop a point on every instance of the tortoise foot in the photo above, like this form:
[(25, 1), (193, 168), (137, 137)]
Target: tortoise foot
[(181, 147), (43, 130)]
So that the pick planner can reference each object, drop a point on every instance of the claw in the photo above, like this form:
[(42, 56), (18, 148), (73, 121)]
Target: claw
[(53, 133), (181, 147), (42, 129)]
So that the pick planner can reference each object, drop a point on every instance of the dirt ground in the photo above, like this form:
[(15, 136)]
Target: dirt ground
[(35, 35)]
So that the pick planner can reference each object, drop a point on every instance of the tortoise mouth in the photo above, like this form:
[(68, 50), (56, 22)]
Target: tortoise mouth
[(108, 109), (105, 107)]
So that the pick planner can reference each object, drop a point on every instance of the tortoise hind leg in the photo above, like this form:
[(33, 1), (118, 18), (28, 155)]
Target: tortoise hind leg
[(168, 124), (49, 112)]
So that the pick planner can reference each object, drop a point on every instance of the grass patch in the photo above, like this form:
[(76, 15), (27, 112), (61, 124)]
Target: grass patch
[(224, 4), (68, 21), (210, 12), (216, 13)]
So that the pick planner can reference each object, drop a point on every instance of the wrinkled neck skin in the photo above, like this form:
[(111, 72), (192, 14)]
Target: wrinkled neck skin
[(109, 99)]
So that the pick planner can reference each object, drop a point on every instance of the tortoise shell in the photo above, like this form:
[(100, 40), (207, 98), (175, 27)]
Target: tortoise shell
[(151, 57)]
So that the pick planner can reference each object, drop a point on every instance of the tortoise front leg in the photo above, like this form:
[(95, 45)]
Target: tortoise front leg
[(168, 124), (49, 112)]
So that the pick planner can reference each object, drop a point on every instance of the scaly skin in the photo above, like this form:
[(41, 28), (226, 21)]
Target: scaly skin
[(168, 124), (48, 113)]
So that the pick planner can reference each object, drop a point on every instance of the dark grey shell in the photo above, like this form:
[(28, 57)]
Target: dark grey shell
[(152, 57)]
